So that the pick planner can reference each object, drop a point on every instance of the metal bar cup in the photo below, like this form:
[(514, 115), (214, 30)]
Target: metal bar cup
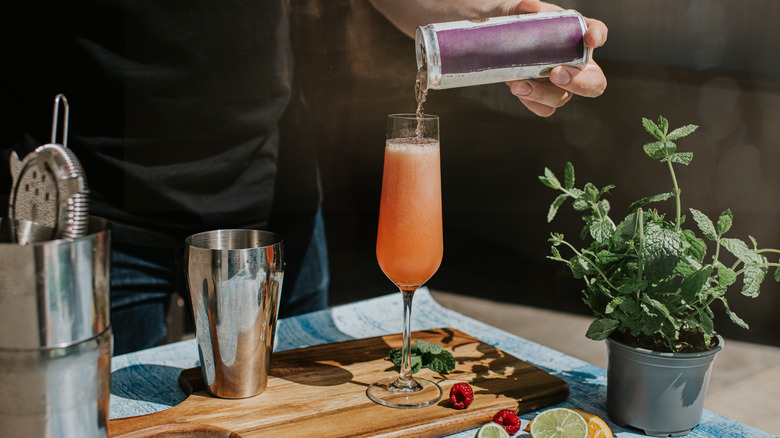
[(235, 280)]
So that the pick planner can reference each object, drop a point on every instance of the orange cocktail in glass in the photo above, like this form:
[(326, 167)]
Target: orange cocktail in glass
[(409, 240)]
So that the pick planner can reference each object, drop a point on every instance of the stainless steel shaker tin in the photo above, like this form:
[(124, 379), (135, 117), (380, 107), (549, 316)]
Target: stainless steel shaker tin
[(235, 281), (54, 293), (56, 392), (55, 334), (475, 52)]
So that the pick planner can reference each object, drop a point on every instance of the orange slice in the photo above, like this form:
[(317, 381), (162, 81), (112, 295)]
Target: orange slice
[(597, 428)]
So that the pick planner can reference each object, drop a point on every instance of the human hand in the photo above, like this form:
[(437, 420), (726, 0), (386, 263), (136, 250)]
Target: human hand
[(544, 95)]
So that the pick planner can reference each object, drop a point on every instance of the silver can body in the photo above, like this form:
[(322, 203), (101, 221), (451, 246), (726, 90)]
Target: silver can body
[(55, 335), (476, 52), (235, 280)]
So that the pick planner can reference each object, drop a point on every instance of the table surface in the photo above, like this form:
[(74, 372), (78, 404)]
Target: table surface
[(146, 381)]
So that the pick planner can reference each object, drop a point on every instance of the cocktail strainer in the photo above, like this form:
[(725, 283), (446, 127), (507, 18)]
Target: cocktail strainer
[(49, 197)]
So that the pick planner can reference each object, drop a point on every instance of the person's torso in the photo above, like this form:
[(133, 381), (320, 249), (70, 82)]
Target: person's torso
[(174, 105)]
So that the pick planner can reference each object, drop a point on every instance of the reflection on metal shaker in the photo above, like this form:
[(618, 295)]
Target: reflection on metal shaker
[(235, 279)]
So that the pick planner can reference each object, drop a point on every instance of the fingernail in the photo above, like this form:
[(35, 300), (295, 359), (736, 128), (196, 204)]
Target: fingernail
[(522, 89), (560, 76)]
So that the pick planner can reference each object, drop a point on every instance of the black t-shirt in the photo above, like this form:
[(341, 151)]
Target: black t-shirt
[(174, 106)]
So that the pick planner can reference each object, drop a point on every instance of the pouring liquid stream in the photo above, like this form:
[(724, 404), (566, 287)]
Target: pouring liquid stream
[(421, 93)]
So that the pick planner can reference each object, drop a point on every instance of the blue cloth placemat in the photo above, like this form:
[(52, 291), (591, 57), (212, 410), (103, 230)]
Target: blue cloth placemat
[(147, 381)]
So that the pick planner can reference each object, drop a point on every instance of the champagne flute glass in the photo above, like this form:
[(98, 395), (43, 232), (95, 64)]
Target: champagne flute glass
[(409, 244)]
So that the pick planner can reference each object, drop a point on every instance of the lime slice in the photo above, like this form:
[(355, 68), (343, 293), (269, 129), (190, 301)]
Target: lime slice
[(559, 423), (492, 430)]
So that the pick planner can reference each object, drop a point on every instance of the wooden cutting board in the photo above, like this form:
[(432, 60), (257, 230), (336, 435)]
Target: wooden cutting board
[(320, 392)]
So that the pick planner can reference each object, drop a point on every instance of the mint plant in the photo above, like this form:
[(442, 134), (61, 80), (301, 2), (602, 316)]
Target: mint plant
[(649, 281)]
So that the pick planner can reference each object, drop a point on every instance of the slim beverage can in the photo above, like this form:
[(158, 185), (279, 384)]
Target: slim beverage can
[(475, 52)]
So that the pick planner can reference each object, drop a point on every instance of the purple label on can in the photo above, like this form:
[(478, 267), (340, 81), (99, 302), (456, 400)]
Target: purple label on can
[(533, 42)]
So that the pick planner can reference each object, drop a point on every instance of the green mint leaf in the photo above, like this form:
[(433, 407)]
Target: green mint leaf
[(660, 307), (655, 150), (692, 285), (726, 275), (551, 180), (603, 207), (628, 305), (577, 193), (396, 356), (591, 193), (733, 316), (694, 246), (705, 323), (606, 257), (425, 355), (615, 303), (600, 329), (581, 204), (548, 183), (441, 363), (644, 201), (416, 364), (681, 132), (688, 266), (705, 224), (604, 190), (663, 125), (718, 292), (627, 227), (568, 176), (680, 158), (627, 288), (580, 267), (740, 250), (753, 277), (777, 273), (661, 251), (724, 222), (652, 128), (555, 206), (428, 347), (601, 229), (669, 148), (556, 255)]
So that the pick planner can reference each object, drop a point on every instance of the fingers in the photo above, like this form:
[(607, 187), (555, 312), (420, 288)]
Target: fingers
[(596, 35), (540, 96), (588, 81), (538, 109), (534, 6), (544, 96)]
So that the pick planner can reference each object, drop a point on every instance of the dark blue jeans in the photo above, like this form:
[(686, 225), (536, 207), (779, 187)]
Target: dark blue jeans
[(143, 280)]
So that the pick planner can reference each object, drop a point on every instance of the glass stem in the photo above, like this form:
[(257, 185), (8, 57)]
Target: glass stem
[(405, 378)]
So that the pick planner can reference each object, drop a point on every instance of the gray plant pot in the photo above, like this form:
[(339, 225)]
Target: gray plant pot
[(659, 393)]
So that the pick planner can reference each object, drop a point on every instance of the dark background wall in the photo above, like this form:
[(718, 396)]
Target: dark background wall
[(711, 63)]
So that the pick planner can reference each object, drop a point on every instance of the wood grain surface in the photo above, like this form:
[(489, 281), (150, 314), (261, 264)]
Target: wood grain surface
[(320, 391)]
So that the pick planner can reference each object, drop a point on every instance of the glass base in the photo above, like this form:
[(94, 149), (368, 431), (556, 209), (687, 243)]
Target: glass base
[(421, 394)]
